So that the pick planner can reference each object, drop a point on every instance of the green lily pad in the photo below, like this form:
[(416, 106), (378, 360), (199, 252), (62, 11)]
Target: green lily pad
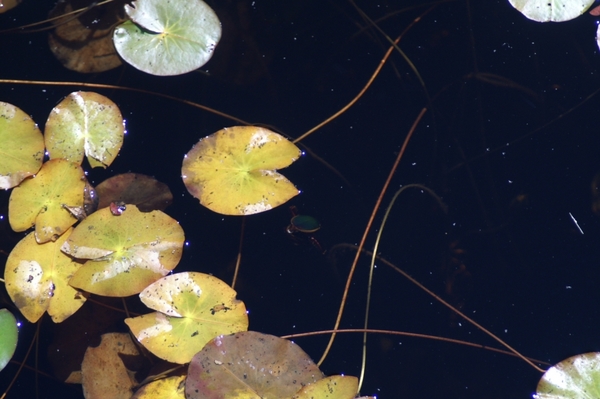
[(554, 10), (44, 200), (193, 308), (10, 334), (22, 149), (85, 123), (233, 171), (127, 252), (37, 279), (574, 378), (249, 365), (168, 37)]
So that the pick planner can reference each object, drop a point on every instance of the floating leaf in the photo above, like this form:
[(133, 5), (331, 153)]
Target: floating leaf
[(249, 365), (551, 10), (127, 252), (103, 371), (232, 171), (574, 378), (37, 277), (8, 5), (168, 38), (133, 188), (195, 308), (84, 44), (165, 388), (334, 387), (44, 199), (85, 123), (22, 149), (9, 333)]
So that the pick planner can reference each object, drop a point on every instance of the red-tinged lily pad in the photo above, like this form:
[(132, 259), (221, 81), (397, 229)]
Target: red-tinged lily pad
[(574, 378), (134, 188), (249, 365), (104, 374), (193, 308), (126, 253), (233, 171), (334, 387), (85, 123), (44, 200), (22, 149), (37, 280)]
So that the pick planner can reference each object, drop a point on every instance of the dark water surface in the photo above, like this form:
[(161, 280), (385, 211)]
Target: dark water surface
[(490, 146)]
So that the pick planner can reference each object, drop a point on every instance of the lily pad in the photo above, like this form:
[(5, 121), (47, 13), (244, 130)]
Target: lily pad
[(147, 193), (193, 308), (249, 365), (233, 171), (44, 200), (104, 373), (165, 388), (551, 10), (168, 37), (574, 378), (334, 387), (85, 123), (127, 252), (22, 149), (9, 333), (37, 280)]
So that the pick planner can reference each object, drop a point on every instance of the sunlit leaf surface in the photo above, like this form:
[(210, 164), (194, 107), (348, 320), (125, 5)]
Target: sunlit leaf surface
[(127, 252), (334, 387), (22, 148), (194, 308), (9, 334), (147, 193), (577, 377), (249, 363), (166, 388), (42, 200), (37, 279), (104, 373), (233, 171), (85, 123), (551, 10), (168, 37)]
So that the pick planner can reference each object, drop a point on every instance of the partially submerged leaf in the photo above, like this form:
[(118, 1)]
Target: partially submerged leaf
[(85, 123), (551, 10), (37, 280), (147, 193), (44, 199), (103, 371), (194, 308), (127, 252), (168, 37), (9, 333), (233, 171), (574, 378), (22, 149), (334, 387), (249, 365)]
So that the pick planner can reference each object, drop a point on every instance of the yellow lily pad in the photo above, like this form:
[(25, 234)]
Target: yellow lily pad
[(37, 277), (22, 149), (193, 308), (334, 387), (165, 388), (126, 253), (43, 200), (85, 123), (233, 171)]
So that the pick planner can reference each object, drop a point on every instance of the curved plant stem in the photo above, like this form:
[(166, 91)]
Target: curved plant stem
[(364, 237)]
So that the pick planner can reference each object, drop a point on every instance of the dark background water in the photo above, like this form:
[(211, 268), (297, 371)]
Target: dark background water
[(508, 166)]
